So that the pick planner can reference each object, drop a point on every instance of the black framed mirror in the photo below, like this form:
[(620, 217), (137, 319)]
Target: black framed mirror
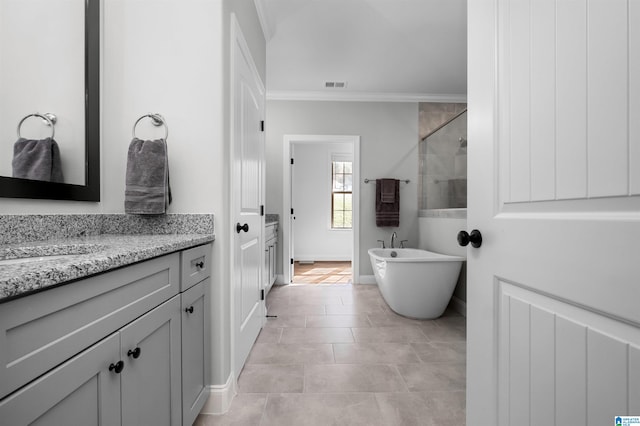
[(90, 191)]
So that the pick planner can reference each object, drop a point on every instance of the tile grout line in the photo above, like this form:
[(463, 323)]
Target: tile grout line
[(264, 408)]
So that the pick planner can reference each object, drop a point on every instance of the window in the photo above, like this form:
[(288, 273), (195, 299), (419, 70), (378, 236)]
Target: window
[(341, 194)]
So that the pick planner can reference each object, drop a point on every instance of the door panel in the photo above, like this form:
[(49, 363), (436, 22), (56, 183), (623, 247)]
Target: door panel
[(248, 171), (553, 324), (634, 98), (588, 351)]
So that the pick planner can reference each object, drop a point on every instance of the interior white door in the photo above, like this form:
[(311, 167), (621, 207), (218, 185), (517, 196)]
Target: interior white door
[(248, 146), (292, 216), (554, 183)]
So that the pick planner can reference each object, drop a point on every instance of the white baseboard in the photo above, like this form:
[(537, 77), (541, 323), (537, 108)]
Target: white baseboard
[(220, 397), (279, 279), (459, 305), (367, 279), (323, 258)]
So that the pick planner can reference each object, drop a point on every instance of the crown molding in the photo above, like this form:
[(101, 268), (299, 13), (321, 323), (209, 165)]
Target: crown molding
[(275, 95)]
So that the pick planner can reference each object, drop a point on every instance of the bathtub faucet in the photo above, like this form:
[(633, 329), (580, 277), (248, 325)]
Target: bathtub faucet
[(393, 239)]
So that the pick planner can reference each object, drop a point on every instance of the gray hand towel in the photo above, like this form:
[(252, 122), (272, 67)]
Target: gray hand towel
[(147, 181), (37, 159)]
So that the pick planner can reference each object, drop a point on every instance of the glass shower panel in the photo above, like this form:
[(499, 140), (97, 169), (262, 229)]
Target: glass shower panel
[(443, 166)]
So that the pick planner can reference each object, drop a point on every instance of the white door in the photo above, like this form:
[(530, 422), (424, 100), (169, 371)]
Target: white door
[(248, 224), (292, 218), (554, 184)]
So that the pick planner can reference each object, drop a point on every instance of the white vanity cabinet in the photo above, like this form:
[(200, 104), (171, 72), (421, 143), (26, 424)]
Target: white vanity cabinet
[(271, 250), (108, 350)]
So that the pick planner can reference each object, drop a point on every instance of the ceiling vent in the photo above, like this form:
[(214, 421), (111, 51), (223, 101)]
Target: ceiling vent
[(335, 84)]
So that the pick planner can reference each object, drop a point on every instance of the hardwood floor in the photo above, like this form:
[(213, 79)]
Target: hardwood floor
[(322, 273)]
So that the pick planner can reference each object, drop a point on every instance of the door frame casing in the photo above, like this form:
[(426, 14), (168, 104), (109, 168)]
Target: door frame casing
[(288, 141)]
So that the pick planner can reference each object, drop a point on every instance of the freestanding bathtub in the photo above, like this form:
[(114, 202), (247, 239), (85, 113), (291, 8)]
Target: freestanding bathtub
[(415, 283)]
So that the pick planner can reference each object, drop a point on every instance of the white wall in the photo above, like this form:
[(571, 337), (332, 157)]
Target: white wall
[(313, 237), (388, 148), (439, 234), (147, 68)]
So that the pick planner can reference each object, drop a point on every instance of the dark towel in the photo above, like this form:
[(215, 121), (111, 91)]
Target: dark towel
[(388, 190), (37, 160), (387, 213), (147, 182)]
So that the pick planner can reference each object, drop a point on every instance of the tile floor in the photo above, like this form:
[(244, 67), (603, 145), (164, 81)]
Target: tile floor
[(337, 355), (322, 273)]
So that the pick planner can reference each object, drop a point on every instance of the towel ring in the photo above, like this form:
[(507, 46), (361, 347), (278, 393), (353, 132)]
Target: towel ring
[(157, 120), (49, 119)]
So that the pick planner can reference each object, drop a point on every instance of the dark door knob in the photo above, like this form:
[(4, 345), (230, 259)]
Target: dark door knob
[(117, 367), (134, 353), (244, 227), (189, 309), (475, 238)]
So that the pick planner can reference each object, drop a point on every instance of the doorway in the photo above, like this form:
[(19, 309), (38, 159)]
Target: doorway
[(321, 197), (323, 272)]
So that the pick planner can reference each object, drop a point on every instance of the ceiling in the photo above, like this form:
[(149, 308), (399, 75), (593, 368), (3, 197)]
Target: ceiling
[(397, 50)]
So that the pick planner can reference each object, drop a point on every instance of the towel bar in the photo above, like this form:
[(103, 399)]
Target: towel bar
[(372, 180), (47, 117), (157, 120)]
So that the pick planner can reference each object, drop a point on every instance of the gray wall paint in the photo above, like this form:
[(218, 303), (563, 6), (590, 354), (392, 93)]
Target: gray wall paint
[(388, 148)]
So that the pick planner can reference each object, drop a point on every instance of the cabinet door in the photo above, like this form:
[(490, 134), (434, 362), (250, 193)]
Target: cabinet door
[(81, 391), (195, 350), (150, 348)]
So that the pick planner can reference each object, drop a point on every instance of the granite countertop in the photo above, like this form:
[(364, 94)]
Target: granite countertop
[(50, 264)]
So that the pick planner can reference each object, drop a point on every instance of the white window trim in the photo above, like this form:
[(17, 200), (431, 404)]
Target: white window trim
[(339, 156)]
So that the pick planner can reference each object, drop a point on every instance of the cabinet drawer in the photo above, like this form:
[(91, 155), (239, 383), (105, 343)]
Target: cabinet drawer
[(196, 265), (41, 331)]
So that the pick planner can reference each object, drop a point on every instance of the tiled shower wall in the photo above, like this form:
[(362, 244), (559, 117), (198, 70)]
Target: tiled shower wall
[(442, 162)]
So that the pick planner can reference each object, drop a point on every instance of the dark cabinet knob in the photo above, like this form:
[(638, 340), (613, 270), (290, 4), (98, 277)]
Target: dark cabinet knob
[(189, 310), (117, 367), (134, 353), (475, 238), (244, 227), (200, 265)]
